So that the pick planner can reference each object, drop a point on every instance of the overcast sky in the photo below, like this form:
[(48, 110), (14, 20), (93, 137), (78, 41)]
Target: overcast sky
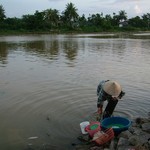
[(17, 8)]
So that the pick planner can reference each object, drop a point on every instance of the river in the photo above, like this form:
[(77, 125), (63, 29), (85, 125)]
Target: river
[(48, 85)]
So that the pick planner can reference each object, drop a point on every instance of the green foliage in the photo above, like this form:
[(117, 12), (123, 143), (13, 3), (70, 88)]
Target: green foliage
[(136, 22), (51, 20), (12, 23), (70, 16), (146, 20), (2, 13)]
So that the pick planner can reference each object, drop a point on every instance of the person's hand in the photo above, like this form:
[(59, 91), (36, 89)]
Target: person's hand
[(115, 98), (100, 110)]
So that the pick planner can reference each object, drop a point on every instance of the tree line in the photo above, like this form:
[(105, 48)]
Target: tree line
[(51, 20)]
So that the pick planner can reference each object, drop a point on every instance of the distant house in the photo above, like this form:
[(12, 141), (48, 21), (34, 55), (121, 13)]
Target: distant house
[(123, 23)]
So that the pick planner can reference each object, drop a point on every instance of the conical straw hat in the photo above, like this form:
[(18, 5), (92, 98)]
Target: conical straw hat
[(112, 88)]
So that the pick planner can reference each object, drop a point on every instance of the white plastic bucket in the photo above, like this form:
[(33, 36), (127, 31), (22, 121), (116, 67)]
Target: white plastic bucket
[(83, 125)]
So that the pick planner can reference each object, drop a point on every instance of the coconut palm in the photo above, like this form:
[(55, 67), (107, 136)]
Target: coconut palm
[(70, 15), (51, 16), (122, 15)]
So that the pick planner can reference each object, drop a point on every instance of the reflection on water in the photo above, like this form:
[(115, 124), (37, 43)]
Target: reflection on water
[(3, 53), (48, 85), (48, 49)]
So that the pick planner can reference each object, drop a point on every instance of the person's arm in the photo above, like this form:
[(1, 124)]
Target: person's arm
[(121, 94), (100, 109), (99, 87), (100, 94), (100, 102)]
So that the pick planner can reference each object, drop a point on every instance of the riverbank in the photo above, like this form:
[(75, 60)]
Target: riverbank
[(131, 35), (137, 137)]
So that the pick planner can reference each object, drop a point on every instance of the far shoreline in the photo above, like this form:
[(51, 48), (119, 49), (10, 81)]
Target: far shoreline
[(143, 33), (112, 34)]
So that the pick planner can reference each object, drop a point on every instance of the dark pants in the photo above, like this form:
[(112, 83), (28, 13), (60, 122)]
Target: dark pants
[(110, 108)]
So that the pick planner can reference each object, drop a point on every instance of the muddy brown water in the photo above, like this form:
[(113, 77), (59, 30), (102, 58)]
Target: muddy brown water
[(48, 85)]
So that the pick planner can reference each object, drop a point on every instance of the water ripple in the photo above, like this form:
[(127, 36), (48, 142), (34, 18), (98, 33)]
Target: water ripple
[(48, 83)]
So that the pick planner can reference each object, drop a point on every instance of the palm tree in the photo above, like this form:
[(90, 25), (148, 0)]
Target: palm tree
[(122, 15), (51, 17), (70, 15), (2, 13)]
